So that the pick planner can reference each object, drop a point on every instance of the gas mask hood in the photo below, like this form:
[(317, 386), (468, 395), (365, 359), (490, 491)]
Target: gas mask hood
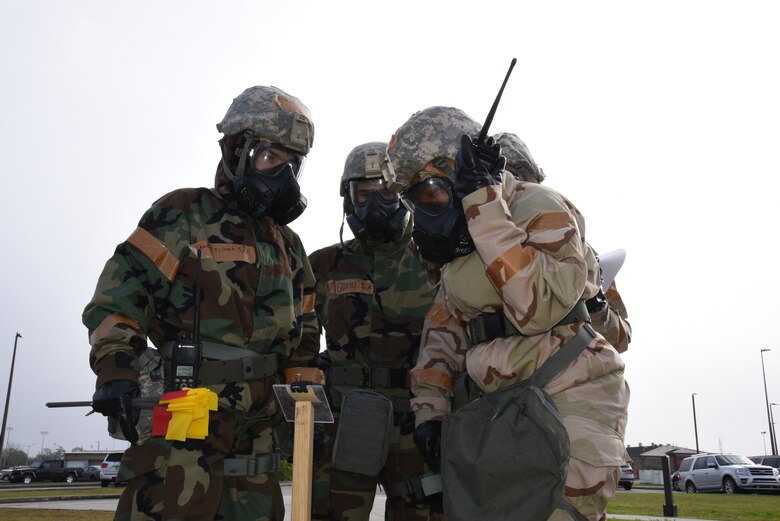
[(272, 192), (378, 220)]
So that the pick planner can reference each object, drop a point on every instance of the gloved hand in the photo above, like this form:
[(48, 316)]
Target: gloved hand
[(113, 399), (427, 437), (477, 167), (596, 303), (108, 397)]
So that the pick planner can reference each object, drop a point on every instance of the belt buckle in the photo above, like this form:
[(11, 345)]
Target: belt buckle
[(476, 330)]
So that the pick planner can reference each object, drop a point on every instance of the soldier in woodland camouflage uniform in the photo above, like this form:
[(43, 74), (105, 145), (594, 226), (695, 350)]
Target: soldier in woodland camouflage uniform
[(608, 314), (372, 295), (256, 300), (516, 254)]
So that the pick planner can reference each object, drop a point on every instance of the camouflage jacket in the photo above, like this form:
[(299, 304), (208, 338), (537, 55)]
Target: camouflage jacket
[(532, 262), (372, 303), (257, 287)]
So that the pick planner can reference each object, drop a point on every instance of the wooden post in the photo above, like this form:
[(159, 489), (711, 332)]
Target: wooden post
[(303, 404), (303, 450)]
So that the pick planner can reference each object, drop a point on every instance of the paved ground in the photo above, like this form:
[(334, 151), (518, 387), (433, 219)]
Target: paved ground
[(377, 513)]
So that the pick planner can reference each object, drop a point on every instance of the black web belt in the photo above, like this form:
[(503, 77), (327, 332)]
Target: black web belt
[(373, 378), (383, 377), (223, 363), (488, 326)]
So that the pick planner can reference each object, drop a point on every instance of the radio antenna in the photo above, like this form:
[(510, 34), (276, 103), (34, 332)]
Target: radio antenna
[(489, 120)]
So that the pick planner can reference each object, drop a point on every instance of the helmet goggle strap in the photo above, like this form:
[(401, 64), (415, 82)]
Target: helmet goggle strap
[(361, 189), (265, 157), (433, 196)]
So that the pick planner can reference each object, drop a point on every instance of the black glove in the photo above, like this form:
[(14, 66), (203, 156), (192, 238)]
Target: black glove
[(596, 303), (427, 437), (477, 166), (113, 399), (107, 399)]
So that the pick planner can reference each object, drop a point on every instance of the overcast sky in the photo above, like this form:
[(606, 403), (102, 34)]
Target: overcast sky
[(659, 121)]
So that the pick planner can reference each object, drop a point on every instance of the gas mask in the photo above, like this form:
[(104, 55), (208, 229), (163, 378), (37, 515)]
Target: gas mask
[(440, 229), (378, 215), (266, 182)]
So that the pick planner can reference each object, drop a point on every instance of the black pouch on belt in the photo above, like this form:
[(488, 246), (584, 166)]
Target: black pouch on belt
[(363, 435)]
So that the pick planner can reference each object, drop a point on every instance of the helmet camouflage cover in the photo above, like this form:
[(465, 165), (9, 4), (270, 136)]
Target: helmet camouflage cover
[(430, 134), (363, 162), (271, 113), (518, 158)]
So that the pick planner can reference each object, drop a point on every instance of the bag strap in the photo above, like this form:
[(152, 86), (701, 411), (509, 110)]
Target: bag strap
[(565, 356), (573, 512), (552, 368)]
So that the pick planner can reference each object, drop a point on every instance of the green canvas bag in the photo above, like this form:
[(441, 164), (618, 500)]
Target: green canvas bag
[(505, 454)]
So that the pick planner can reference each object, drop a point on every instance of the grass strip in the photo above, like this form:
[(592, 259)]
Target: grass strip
[(46, 514), (98, 491), (718, 507)]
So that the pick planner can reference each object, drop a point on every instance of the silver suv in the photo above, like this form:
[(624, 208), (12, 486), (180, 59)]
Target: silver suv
[(109, 468), (726, 472)]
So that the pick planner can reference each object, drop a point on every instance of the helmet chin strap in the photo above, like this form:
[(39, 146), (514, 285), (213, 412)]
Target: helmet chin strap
[(241, 161)]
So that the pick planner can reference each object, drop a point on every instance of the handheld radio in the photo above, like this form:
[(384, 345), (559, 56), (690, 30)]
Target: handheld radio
[(186, 354)]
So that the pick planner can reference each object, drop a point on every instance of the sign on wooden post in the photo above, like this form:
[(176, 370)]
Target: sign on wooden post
[(305, 405)]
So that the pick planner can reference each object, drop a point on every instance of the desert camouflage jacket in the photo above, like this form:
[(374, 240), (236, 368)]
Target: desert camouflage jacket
[(532, 262), (257, 287), (372, 303)]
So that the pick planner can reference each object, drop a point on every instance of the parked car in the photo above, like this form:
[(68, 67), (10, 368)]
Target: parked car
[(626, 477), (772, 461), (46, 470), (676, 480), (729, 473), (5, 473), (91, 473), (109, 468)]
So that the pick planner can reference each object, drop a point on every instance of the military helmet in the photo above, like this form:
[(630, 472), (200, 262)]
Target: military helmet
[(364, 162), (518, 158), (270, 113), (430, 134)]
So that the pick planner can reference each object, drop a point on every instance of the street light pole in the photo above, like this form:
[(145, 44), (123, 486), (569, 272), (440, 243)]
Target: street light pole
[(763, 436), (695, 427), (7, 440), (43, 437), (772, 418), (27, 453), (772, 441), (8, 394)]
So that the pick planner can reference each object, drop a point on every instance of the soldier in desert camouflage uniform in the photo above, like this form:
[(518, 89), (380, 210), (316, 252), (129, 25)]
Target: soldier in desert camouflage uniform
[(516, 255), (257, 298), (608, 314), (372, 296)]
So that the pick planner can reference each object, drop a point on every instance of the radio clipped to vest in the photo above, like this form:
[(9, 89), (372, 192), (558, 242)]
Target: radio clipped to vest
[(187, 352)]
